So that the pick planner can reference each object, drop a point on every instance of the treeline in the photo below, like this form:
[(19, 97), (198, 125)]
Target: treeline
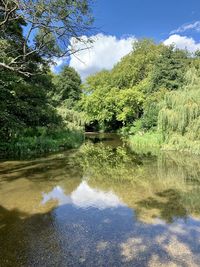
[(37, 107), (152, 95)]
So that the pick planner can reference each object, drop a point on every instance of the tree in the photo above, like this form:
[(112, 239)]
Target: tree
[(169, 69), (51, 29), (24, 104), (137, 65), (136, 85), (179, 115), (67, 85), (115, 98), (111, 106), (129, 105)]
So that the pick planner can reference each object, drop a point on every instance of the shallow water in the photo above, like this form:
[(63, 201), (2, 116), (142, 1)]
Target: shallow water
[(101, 205)]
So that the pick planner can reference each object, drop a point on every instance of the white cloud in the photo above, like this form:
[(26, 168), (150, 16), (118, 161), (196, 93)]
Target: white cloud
[(84, 197), (188, 27), (105, 52), (183, 42)]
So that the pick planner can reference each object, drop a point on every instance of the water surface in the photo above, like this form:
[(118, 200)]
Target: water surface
[(101, 205)]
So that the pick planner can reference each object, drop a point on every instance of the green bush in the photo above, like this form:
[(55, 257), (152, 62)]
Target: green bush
[(40, 141)]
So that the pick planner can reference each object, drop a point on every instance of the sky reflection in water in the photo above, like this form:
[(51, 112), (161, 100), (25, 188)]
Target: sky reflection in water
[(84, 197)]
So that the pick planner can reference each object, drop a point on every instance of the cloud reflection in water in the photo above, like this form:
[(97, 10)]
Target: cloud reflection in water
[(84, 197)]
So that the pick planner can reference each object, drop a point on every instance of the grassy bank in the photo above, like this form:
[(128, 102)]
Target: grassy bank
[(149, 142), (182, 144), (152, 142), (31, 145)]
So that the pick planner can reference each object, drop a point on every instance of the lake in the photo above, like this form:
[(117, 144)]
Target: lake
[(100, 205)]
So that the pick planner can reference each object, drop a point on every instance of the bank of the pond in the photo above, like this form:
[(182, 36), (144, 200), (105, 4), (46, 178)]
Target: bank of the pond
[(152, 142), (27, 146)]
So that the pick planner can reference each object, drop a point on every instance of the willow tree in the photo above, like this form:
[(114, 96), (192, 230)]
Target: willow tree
[(179, 118)]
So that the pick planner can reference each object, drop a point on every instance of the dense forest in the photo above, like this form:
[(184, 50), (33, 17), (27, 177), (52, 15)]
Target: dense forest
[(152, 96)]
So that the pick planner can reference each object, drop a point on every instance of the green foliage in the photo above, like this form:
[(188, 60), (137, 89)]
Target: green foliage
[(116, 98), (26, 104), (100, 105), (29, 124), (169, 69), (71, 118), (23, 104), (136, 66), (129, 104), (134, 88), (33, 142), (136, 127), (151, 109), (182, 143), (65, 94), (149, 142), (100, 79), (52, 29), (155, 86), (149, 87), (51, 47), (67, 85), (179, 118)]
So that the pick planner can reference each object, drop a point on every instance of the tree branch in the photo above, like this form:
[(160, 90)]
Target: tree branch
[(17, 70)]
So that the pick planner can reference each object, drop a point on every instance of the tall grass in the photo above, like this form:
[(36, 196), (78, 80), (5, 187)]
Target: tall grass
[(149, 142)]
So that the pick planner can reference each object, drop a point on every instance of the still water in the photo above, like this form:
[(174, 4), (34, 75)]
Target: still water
[(100, 205)]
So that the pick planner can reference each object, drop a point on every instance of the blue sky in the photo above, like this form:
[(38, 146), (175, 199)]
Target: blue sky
[(119, 23), (144, 18)]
